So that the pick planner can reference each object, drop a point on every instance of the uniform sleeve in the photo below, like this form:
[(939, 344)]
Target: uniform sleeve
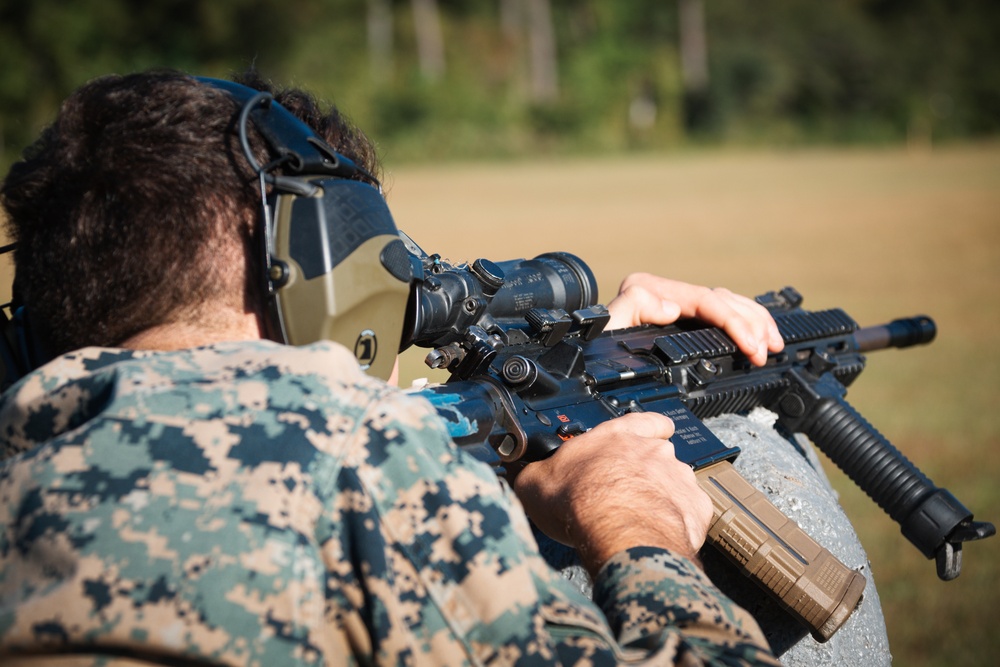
[(430, 559), (649, 595)]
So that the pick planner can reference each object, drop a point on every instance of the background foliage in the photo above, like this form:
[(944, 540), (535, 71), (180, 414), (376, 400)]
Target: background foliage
[(779, 71)]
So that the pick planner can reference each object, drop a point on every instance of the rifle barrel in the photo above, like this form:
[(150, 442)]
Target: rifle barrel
[(900, 333)]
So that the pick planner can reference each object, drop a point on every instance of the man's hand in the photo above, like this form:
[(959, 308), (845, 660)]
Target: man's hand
[(616, 487), (647, 299)]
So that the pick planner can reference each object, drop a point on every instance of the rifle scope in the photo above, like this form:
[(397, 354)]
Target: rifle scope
[(451, 298)]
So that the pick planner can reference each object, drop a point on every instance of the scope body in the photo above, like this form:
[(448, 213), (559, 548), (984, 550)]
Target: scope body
[(448, 299)]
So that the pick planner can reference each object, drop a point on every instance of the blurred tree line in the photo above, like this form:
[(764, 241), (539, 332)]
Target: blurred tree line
[(480, 78)]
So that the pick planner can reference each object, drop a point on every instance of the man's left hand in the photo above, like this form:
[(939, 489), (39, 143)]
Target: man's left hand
[(647, 299)]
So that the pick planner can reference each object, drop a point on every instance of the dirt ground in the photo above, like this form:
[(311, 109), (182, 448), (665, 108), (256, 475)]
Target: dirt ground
[(881, 234)]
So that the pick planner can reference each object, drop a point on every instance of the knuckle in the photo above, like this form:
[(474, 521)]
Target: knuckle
[(634, 279), (634, 292)]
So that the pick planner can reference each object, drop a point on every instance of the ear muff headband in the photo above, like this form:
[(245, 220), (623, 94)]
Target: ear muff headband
[(298, 148)]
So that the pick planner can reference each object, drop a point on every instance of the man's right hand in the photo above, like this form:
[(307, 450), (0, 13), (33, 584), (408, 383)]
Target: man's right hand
[(616, 487)]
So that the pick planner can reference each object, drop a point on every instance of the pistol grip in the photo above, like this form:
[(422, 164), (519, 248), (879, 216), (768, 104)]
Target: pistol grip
[(767, 546)]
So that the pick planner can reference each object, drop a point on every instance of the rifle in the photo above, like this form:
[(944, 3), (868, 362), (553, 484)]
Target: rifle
[(527, 377)]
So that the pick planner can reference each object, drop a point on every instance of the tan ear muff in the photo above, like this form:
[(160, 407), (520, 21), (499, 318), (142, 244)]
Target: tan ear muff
[(345, 275)]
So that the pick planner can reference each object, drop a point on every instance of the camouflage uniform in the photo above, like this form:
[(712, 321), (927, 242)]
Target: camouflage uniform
[(253, 504)]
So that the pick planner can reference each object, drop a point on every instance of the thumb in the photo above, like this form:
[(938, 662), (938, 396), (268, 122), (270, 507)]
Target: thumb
[(637, 305)]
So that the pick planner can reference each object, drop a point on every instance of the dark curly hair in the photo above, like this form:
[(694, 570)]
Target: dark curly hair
[(136, 207)]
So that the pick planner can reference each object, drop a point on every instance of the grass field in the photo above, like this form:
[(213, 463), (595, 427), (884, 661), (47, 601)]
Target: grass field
[(882, 234)]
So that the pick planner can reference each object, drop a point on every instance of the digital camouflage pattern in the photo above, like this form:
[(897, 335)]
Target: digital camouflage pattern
[(254, 504)]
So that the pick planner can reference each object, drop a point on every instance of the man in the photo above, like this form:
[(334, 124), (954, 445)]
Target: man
[(178, 490)]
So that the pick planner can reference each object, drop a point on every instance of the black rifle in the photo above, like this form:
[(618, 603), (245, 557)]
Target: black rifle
[(525, 382)]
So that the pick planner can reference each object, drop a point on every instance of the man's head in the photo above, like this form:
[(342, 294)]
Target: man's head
[(136, 208)]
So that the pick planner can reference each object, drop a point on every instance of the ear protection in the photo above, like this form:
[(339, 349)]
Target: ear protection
[(335, 267)]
